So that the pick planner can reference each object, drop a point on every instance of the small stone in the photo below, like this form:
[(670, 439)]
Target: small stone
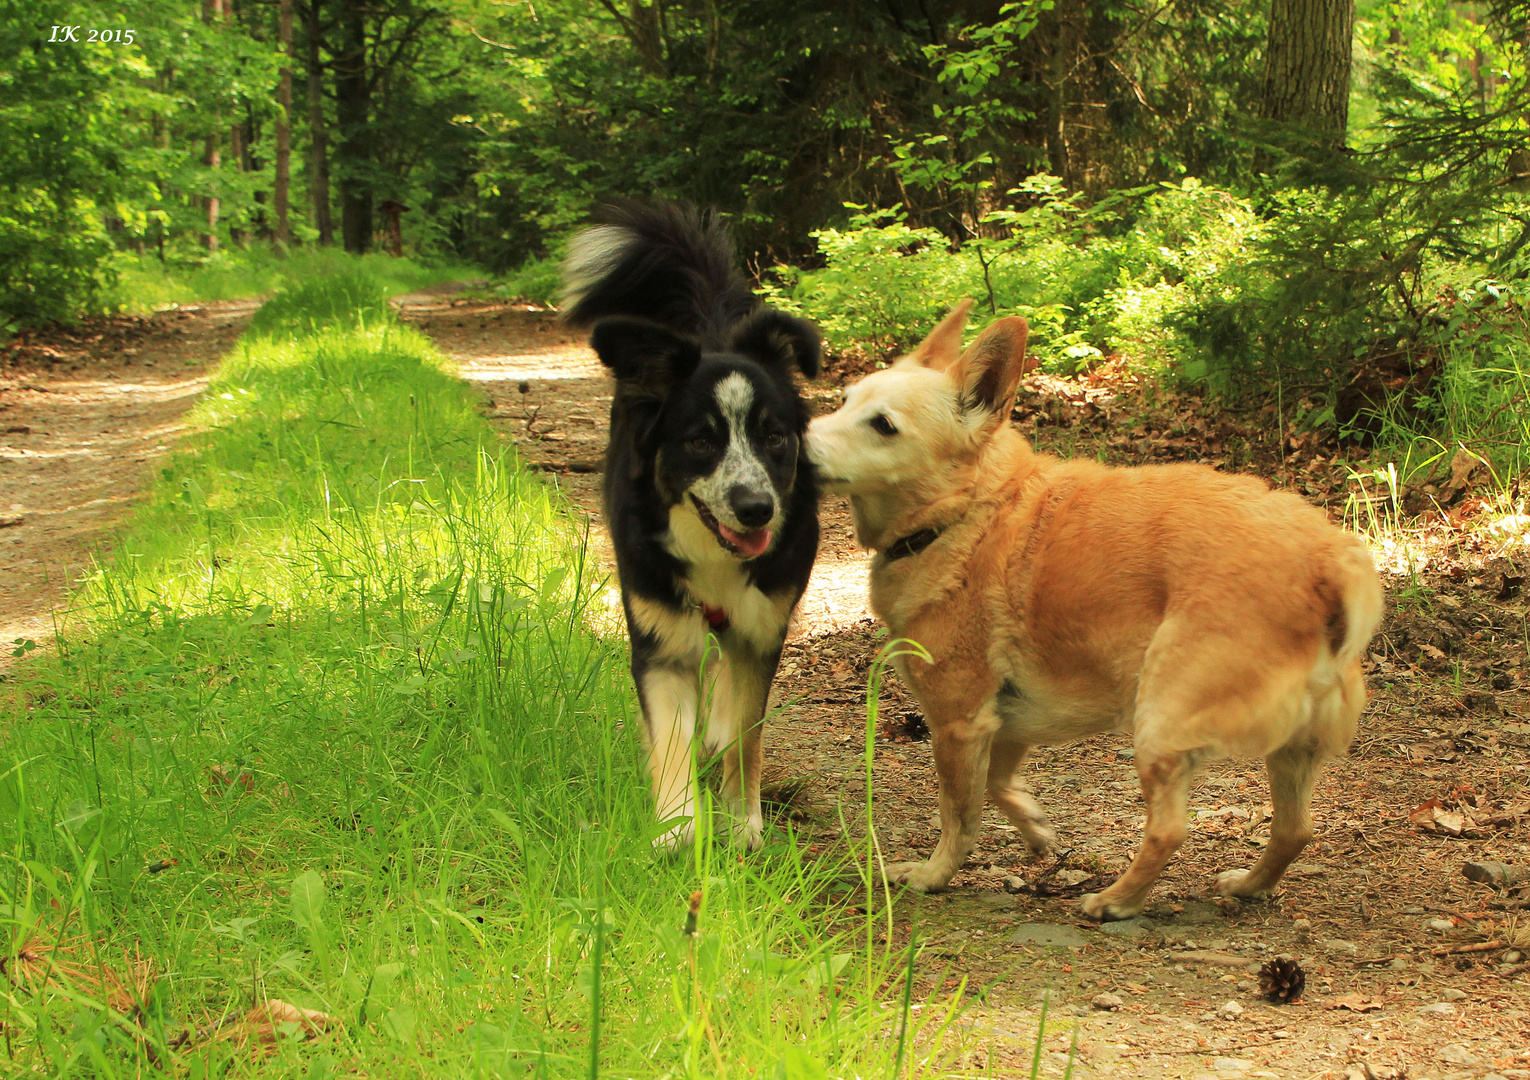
[(1513, 956), (1048, 936), (1281, 1034), (1126, 753), (1232, 1064), (1303, 928), (1230, 1010), (934, 821), (1452, 994), (1014, 884), (1244, 986), (1455, 1054), (1136, 926), (1415, 910), (1107, 1002), (1439, 1008), (1440, 926), (1339, 945)]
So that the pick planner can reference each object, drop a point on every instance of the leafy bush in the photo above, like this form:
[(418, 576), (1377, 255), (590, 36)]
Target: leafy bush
[(1086, 284)]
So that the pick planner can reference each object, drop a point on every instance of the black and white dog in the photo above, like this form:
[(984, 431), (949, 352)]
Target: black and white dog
[(712, 507)]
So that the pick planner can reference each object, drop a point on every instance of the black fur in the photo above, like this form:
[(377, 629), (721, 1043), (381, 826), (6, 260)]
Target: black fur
[(672, 318)]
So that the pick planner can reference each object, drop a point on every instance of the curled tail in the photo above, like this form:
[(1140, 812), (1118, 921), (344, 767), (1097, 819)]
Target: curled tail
[(663, 262)]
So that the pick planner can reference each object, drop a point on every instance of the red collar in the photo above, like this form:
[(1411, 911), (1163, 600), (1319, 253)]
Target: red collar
[(716, 617)]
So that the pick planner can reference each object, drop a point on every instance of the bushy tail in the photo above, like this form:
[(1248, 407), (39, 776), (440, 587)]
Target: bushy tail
[(663, 262), (1361, 601)]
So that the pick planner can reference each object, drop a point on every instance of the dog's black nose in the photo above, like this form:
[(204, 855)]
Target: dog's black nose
[(752, 508)]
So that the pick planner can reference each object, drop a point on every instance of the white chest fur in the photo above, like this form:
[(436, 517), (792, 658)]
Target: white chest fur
[(720, 580)]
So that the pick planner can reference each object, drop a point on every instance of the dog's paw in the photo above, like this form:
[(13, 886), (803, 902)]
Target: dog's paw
[(919, 876), (749, 835), (1040, 837), (1101, 909), (1236, 883)]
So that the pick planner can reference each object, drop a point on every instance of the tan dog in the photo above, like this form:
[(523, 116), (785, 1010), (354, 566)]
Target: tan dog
[(1200, 611)]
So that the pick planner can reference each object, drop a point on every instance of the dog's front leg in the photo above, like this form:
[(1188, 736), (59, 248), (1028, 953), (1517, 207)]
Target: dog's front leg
[(961, 762), (669, 713), (735, 726)]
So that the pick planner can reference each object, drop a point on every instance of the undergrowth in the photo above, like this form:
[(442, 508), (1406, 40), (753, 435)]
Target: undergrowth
[(330, 729), (143, 283)]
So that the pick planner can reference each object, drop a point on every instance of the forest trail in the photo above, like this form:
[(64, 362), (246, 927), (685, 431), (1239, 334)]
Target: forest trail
[(1410, 967), (84, 416)]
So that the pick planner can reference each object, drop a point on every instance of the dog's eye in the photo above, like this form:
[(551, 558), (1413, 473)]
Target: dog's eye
[(882, 426), (775, 440), (699, 446)]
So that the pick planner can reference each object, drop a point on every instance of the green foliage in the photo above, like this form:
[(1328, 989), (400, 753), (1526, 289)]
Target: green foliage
[(144, 284), (1085, 281), (337, 301), (538, 280)]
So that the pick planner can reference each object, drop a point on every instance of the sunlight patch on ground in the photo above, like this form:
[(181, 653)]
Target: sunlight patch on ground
[(575, 362)]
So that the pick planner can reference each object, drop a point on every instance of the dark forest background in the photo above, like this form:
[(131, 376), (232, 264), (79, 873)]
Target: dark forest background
[(1311, 198)]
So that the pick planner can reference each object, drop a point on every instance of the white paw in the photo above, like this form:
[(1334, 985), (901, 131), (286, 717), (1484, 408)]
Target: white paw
[(1234, 883), (919, 876), (1097, 907), (749, 834)]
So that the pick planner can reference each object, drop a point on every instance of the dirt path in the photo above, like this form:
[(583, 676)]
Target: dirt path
[(84, 416), (1377, 913)]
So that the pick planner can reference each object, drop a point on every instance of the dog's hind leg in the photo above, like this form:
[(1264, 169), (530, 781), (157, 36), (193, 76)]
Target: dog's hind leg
[(735, 726), (669, 713), (1293, 770), (1011, 795), (1165, 781)]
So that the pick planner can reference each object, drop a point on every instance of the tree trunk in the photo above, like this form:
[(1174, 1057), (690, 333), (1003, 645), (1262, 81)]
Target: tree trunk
[(238, 156), (283, 124), (212, 157), (1307, 66), (352, 104), (318, 168)]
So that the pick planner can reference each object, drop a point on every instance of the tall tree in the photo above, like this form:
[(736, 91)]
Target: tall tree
[(283, 164), (212, 14), (1307, 66), (318, 138), (353, 98)]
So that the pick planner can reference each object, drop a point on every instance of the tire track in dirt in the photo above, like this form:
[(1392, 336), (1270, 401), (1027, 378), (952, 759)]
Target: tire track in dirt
[(84, 417)]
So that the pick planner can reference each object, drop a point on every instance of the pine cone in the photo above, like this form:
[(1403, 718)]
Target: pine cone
[(1282, 980)]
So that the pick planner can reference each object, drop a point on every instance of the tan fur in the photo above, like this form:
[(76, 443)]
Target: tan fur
[(1201, 612)]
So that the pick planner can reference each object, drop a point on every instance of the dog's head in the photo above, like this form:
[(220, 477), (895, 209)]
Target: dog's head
[(936, 406), (720, 430)]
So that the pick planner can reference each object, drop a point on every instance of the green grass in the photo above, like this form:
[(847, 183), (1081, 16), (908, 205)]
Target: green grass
[(331, 727), (145, 284)]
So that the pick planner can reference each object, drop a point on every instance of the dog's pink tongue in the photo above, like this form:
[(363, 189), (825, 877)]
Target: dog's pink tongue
[(749, 544)]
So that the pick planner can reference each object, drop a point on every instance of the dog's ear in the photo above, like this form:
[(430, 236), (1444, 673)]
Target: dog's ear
[(943, 345), (776, 338), (646, 357), (990, 368)]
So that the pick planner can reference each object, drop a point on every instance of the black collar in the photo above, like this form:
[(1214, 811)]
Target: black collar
[(912, 544)]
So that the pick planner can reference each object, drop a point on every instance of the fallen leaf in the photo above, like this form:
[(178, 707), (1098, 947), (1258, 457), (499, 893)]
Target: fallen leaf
[(263, 1022), (1354, 1003)]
